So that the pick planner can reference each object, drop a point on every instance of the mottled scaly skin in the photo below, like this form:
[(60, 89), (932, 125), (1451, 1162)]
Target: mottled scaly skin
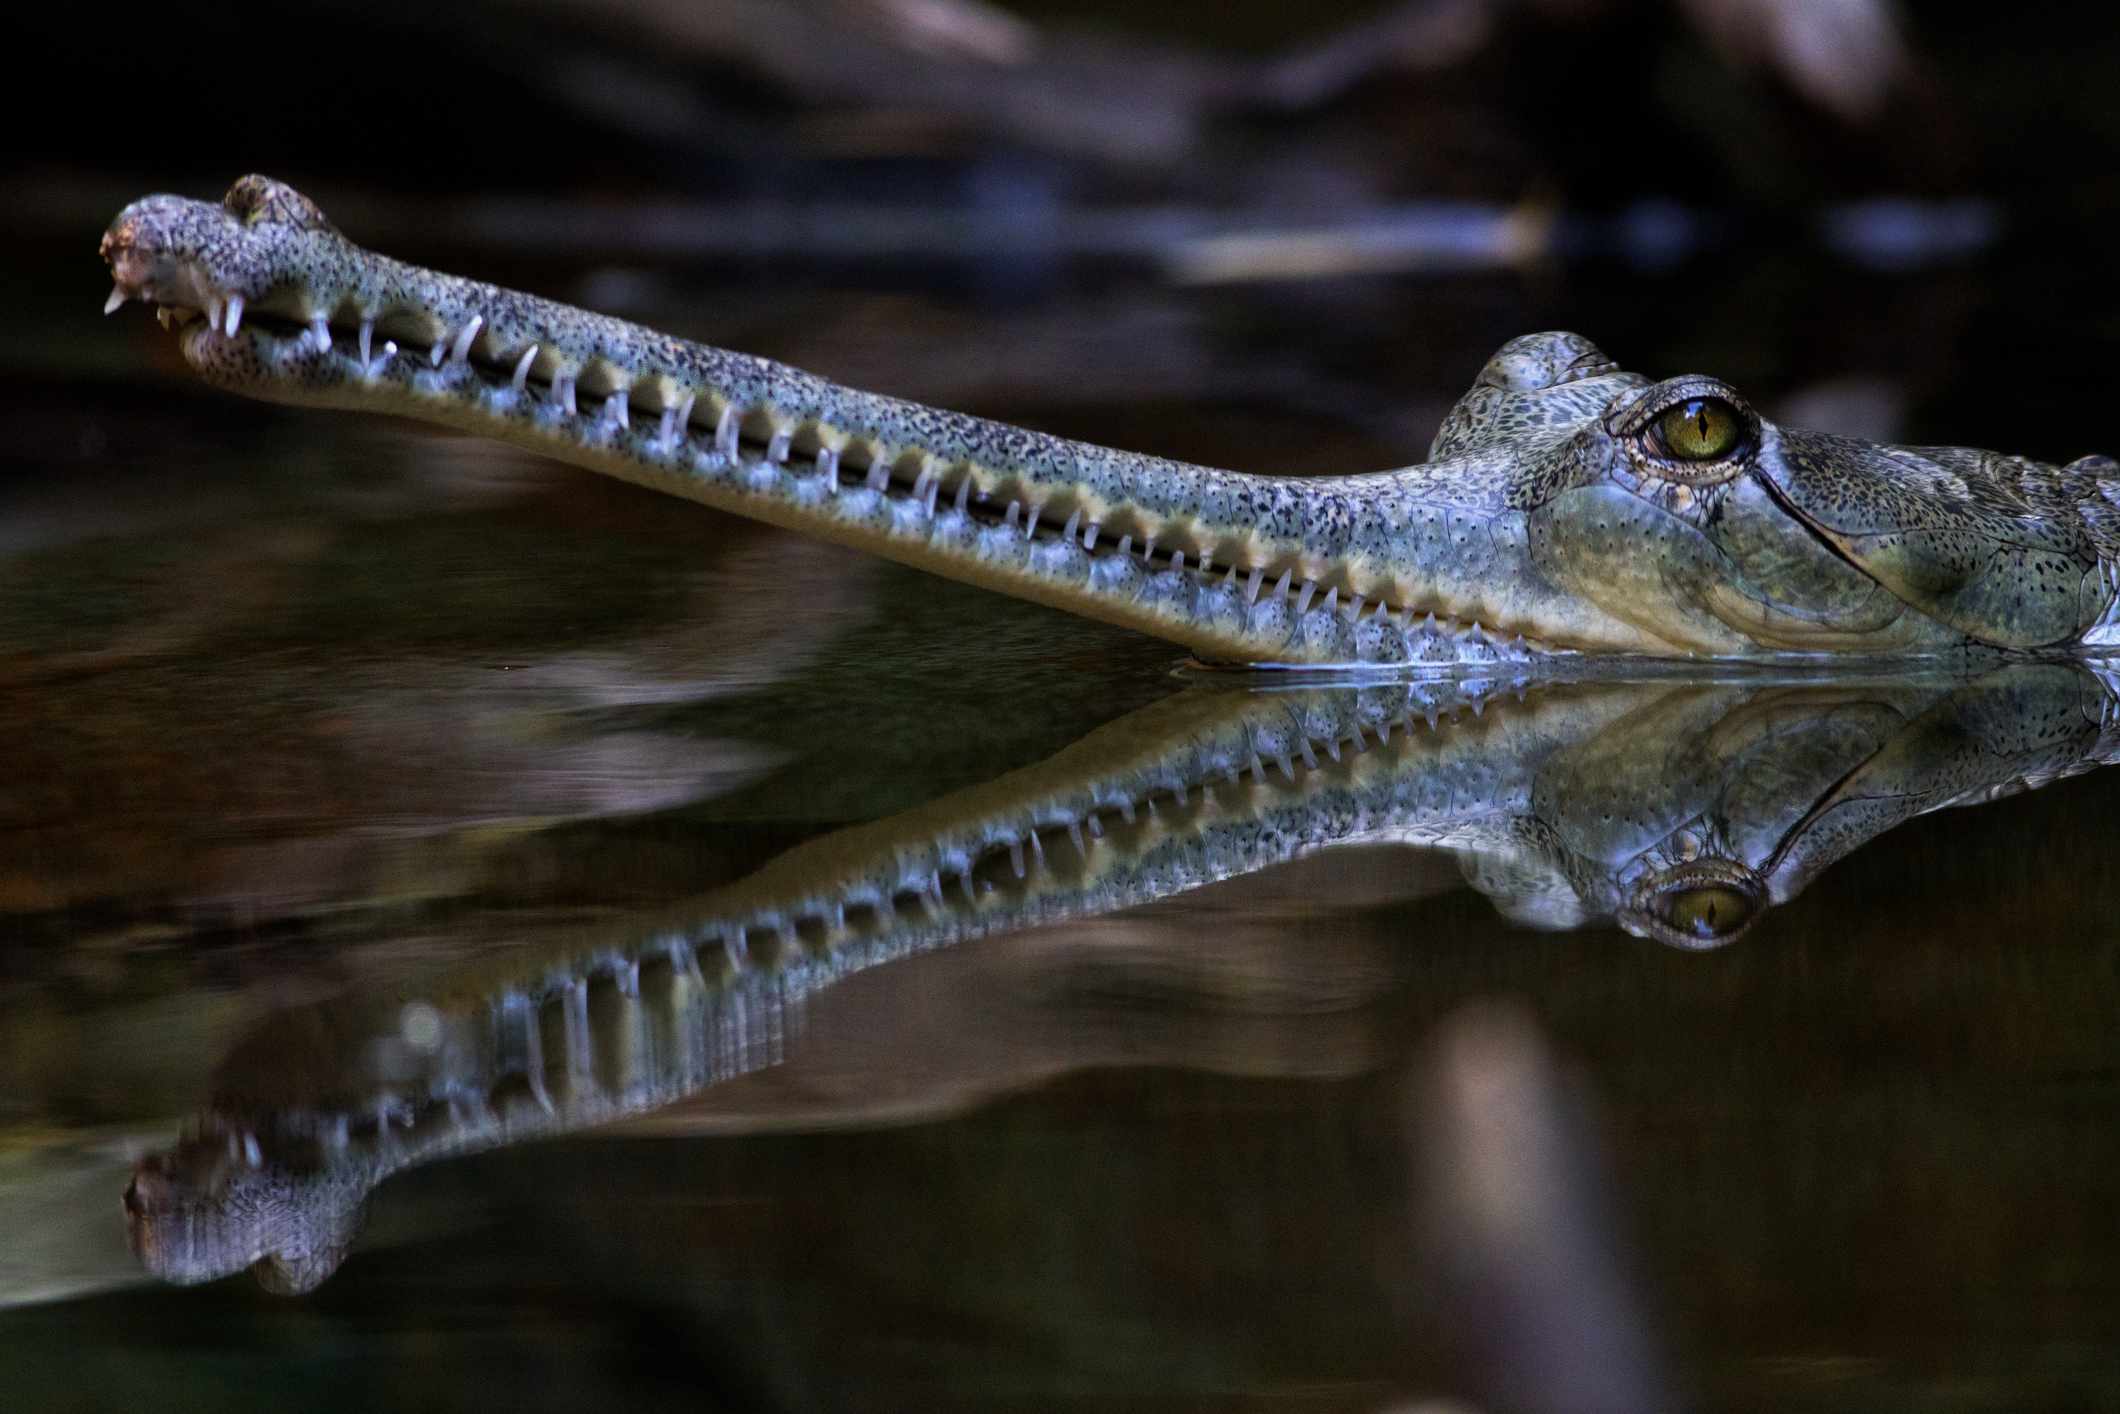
[(1549, 520), (1681, 808)]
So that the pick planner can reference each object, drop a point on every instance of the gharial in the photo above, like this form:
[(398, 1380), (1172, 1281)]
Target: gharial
[(1567, 508), (1683, 809)]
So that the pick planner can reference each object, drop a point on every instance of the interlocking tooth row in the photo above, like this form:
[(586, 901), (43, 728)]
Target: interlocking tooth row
[(911, 477), (798, 950)]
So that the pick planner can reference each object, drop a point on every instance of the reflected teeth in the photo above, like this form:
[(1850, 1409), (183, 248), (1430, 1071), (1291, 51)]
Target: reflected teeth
[(235, 315), (116, 301)]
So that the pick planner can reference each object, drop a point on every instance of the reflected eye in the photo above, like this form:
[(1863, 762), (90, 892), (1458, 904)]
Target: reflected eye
[(1699, 905), (1707, 914), (1700, 429)]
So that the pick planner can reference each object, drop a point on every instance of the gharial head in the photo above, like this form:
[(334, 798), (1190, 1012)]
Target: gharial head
[(1566, 501), (1677, 509)]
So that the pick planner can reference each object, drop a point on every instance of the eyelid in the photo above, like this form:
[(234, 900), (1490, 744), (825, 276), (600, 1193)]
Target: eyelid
[(1638, 413)]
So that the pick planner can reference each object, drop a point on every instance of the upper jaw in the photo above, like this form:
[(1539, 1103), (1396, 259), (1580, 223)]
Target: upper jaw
[(161, 250)]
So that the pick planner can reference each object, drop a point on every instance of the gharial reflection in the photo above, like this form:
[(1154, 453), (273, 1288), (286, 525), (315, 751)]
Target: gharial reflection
[(1682, 808)]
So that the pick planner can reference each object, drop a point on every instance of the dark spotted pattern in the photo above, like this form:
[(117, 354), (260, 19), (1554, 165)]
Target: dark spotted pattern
[(1507, 543)]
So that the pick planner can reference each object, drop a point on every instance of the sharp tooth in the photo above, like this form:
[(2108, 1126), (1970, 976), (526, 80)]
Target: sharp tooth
[(1073, 527), (213, 313), (879, 475), (461, 349), (666, 431), (1126, 546), (1354, 610), (828, 468), (1251, 586), (615, 410), (964, 493), (116, 301), (1310, 588), (1280, 589), (1177, 561), (684, 414), (367, 335), (1030, 522), (777, 445), (1010, 516), (1332, 600), (564, 386), (522, 365), (1089, 537), (235, 315), (726, 432), (934, 490), (321, 333)]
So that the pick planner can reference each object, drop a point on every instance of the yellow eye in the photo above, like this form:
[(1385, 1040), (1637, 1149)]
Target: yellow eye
[(1708, 914), (1700, 429), (1697, 905)]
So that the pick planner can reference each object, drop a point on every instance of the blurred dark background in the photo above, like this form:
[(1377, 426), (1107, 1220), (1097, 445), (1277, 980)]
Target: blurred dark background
[(293, 701), (1903, 208)]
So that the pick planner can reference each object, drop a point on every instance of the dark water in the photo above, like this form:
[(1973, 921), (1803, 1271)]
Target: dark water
[(306, 710)]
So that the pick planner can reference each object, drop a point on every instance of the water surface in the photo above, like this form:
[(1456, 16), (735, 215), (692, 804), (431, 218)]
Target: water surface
[(304, 712)]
